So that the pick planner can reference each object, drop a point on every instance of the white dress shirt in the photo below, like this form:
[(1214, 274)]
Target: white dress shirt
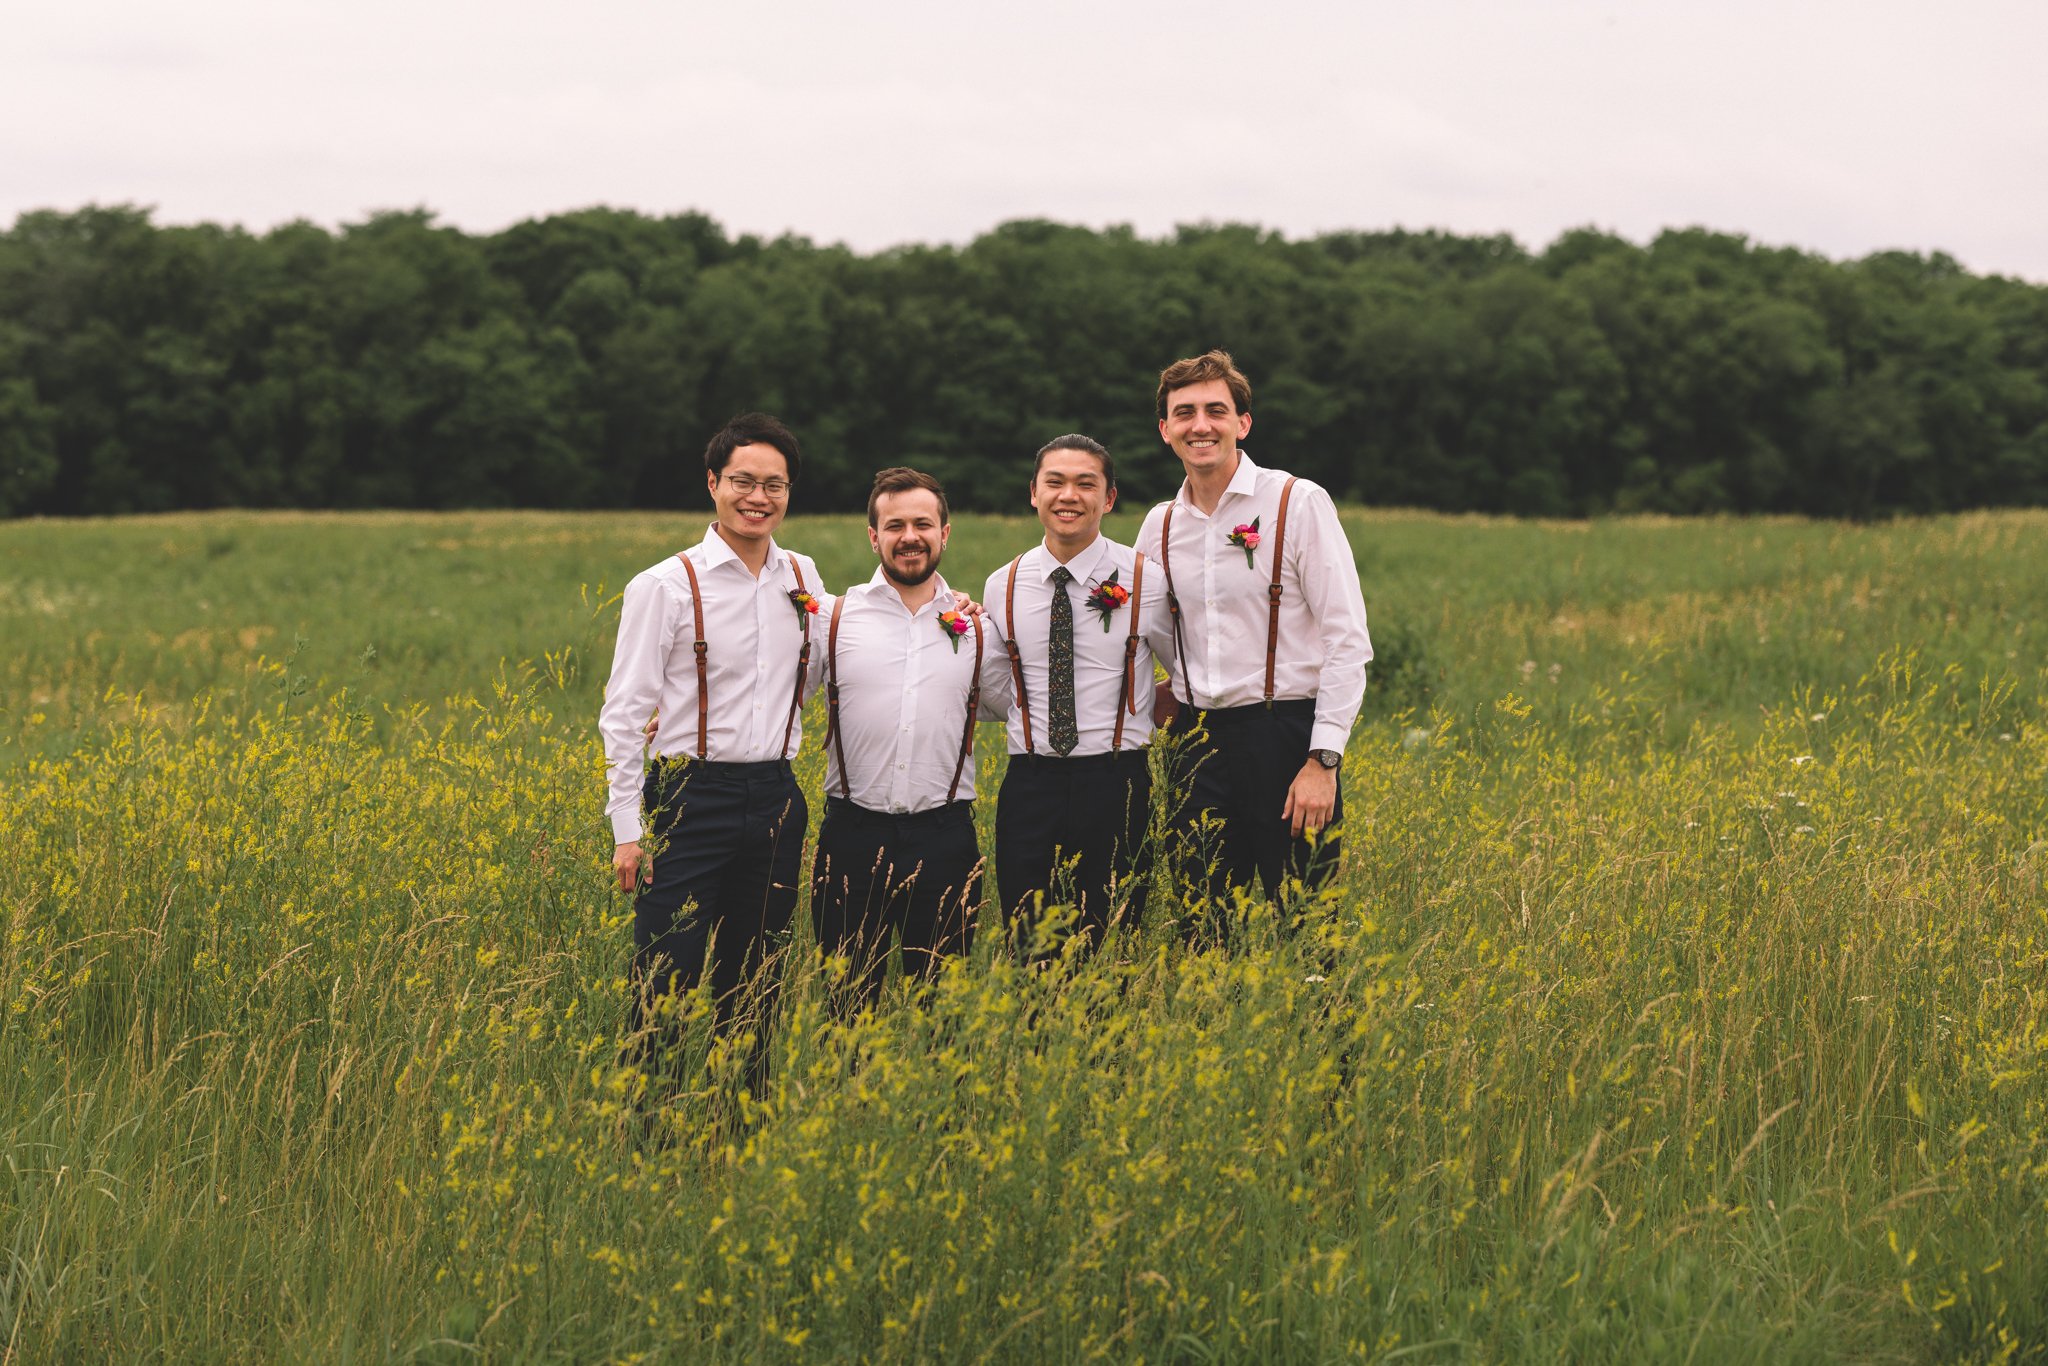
[(903, 697), (753, 642), (1323, 645), (1098, 654)]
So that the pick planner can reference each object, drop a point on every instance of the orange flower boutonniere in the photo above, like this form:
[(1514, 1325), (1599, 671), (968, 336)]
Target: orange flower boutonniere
[(1107, 597)]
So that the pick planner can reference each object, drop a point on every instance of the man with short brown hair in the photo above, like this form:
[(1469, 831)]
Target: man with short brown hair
[(907, 672), (1270, 641)]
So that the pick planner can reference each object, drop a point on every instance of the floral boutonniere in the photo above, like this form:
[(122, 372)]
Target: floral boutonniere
[(1107, 596), (1246, 538), (954, 625), (805, 604)]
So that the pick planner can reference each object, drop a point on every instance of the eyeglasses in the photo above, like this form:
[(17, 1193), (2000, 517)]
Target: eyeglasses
[(744, 484)]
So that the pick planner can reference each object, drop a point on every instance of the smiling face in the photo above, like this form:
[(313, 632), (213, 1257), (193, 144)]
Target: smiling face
[(1203, 426), (1071, 496), (909, 535), (751, 513)]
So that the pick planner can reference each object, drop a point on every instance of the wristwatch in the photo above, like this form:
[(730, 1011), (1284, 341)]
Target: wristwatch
[(1328, 758)]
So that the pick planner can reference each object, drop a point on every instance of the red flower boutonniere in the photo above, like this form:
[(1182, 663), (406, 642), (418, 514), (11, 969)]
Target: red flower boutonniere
[(1107, 596), (1246, 538), (954, 625), (805, 604)]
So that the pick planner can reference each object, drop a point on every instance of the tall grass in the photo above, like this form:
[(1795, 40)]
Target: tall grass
[(1681, 996)]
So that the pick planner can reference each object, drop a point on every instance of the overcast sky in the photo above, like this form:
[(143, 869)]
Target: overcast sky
[(1840, 127)]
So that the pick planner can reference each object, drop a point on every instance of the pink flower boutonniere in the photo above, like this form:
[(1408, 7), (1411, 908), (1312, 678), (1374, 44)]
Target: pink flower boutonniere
[(1107, 596), (805, 604), (954, 625), (1246, 538)]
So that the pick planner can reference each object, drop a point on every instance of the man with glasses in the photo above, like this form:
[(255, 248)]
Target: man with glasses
[(714, 643)]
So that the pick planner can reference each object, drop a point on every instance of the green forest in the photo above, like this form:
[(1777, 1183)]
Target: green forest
[(580, 361)]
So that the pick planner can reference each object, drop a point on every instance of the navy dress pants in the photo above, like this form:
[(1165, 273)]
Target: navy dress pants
[(917, 875), (723, 889), (1073, 831), (1234, 765)]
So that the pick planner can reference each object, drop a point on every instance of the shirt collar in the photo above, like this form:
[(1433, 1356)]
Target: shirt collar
[(717, 552), (1244, 480), (879, 583), (1083, 566)]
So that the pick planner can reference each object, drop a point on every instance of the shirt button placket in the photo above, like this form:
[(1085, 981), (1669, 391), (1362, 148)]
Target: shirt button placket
[(1210, 662), (760, 656), (907, 714)]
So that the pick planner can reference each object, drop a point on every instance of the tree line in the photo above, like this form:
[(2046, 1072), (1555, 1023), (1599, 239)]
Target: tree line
[(581, 360)]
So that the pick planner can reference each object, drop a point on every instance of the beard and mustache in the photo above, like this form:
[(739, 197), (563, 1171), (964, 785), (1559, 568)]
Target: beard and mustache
[(910, 580)]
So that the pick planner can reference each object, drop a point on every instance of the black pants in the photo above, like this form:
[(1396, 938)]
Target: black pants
[(1234, 765), (918, 875), (1072, 832), (723, 889)]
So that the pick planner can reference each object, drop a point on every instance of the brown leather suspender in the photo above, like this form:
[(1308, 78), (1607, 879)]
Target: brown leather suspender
[(703, 682), (1128, 698), (967, 732), (1273, 593), (832, 728), (1180, 648), (1016, 660), (803, 661), (832, 695)]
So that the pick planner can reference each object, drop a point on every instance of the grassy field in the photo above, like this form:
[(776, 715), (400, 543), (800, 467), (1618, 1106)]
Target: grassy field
[(1684, 995)]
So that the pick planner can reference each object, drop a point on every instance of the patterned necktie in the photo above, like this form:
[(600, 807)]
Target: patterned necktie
[(1062, 732)]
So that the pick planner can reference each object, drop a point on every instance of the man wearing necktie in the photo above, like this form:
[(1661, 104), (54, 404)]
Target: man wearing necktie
[(1081, 617)]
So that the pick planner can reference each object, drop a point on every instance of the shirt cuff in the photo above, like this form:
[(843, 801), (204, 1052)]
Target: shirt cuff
[(626, 825), (1326, 735)]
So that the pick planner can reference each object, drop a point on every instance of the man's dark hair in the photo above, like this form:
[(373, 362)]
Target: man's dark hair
[(1200, 370), (1074, 441), (899, 479), (746, 430)]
